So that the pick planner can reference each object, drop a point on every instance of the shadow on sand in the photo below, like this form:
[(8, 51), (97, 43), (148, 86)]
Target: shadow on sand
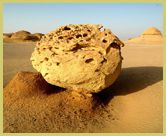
[(29, 94), (131, 80)]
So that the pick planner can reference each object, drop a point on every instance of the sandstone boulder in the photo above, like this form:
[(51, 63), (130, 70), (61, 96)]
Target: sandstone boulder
[(79, 57)]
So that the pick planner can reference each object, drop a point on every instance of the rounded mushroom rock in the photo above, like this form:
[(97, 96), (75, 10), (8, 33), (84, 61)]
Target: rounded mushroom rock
[(79, 57)]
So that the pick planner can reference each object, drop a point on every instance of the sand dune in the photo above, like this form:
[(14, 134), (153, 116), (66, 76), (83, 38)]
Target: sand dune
[(133, 104)]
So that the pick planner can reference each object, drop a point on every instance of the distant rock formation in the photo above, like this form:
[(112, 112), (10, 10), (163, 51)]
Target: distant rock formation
[(6, 36), (152, 31), (150, 35), (38, 35), (23, 35)]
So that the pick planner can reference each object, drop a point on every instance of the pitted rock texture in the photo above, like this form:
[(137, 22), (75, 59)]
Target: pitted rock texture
[(79, 57)]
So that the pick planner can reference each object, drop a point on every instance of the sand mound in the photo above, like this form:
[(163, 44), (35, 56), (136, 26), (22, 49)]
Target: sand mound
[(30, 104), (150, 35)]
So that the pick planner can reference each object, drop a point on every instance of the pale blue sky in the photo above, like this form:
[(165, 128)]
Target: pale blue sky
[(125, 20)]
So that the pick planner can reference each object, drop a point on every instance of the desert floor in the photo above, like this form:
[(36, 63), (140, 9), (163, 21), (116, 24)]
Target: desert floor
[(134, 103)]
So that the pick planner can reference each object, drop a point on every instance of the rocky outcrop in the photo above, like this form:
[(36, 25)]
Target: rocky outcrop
[(23, 35), (79, 57), (6, 36), (152, 31), (152, 35), (38, 35)]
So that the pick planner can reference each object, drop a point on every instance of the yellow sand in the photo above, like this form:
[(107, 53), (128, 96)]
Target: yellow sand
[(134, 103)]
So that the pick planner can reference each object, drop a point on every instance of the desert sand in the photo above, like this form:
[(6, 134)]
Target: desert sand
[(132, 104)]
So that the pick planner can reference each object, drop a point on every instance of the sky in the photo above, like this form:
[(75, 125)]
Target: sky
[(125, 20)]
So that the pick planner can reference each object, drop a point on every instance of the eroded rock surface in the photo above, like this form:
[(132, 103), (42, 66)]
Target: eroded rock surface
[(79, 57)]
